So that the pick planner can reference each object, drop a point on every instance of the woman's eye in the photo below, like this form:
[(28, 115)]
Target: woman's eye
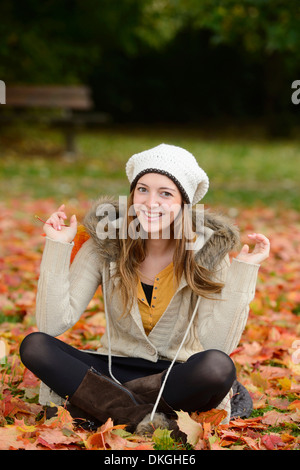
[(141, 189)]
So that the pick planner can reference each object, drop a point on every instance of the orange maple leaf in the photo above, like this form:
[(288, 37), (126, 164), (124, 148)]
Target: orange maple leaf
[(213, 416), (81, 237)]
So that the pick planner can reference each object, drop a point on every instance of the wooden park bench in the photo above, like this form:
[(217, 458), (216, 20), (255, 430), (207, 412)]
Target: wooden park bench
[(74, 106)]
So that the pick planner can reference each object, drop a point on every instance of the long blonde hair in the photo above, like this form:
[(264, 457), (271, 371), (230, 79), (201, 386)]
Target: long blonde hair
[(133, 252)]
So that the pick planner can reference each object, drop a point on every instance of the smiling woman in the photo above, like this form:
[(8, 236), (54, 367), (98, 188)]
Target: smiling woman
[(173, 315)]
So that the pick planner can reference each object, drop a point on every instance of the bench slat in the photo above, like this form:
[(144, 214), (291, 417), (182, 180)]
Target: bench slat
[(67, 97)]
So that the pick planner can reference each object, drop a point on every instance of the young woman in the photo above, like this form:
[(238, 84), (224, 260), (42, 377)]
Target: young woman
[(175, 306)]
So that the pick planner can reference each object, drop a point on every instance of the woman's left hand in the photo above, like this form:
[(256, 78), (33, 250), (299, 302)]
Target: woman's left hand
[(260, 252)]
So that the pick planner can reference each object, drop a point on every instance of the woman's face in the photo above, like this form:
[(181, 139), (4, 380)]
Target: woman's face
[(157, 202)]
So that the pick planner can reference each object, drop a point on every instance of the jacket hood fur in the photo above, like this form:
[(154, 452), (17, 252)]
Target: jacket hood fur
[(219, 234)]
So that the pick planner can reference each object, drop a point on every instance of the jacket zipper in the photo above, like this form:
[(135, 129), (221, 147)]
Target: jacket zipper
[(115, 384)]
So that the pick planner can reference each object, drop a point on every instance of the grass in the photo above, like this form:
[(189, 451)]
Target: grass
[(243, 171)]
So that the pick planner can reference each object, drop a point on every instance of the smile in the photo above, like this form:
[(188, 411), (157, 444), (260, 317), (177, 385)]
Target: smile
[(152, 215)]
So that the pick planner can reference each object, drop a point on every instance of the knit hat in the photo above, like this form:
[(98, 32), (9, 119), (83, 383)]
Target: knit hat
[(174, 162)]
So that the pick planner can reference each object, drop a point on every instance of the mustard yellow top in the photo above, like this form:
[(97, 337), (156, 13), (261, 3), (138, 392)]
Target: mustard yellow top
[(163, 291)]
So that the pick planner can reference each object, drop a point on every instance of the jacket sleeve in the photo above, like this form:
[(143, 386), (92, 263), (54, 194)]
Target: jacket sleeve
[(221, 321), (65, 291)]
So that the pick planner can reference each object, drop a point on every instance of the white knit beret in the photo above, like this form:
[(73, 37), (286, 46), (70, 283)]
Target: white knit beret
[(174, 162)]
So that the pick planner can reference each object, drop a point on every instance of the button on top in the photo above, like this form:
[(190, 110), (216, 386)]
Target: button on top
[(150, 349)]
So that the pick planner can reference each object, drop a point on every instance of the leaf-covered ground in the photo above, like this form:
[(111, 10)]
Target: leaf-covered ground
[(267, 359)]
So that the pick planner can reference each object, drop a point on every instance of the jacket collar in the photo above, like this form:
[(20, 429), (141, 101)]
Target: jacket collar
[(215, 239)]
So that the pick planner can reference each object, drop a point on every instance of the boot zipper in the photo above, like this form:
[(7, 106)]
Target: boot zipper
[(124, 389)]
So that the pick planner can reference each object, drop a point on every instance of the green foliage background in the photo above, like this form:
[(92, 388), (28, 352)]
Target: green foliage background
[(161, 60), (212, 76)]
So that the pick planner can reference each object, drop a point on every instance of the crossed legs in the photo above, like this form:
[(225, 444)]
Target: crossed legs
[(198, 384)]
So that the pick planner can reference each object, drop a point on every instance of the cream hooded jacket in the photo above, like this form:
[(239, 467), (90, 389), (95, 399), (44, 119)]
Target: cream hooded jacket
[(64, 292)]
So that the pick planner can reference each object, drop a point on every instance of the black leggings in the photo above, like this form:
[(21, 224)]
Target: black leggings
[(198, 384)]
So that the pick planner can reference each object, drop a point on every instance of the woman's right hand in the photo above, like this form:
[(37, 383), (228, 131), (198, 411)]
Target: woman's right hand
[(56, 229)]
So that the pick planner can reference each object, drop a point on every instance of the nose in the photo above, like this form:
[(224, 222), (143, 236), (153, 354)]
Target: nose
[(151, 201)]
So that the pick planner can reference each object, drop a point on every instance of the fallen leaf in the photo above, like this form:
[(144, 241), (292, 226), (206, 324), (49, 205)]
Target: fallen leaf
[(272, 441), (190, 427), (105, 438), (213, 416), (274, 418)]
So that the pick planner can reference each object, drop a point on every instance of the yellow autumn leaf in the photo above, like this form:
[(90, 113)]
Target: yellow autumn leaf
[(285, 383)]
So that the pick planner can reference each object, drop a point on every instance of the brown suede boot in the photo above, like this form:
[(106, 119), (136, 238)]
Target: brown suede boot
[(147, 389), (103, 398)]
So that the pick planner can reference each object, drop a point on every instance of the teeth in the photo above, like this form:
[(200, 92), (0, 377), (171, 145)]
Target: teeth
[(152, 214)]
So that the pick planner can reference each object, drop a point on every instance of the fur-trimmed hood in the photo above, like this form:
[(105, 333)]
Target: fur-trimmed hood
[(219, 235)]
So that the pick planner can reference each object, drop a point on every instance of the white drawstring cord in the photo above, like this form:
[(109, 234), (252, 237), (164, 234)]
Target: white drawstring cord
[(173, 361), (107, 327)]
